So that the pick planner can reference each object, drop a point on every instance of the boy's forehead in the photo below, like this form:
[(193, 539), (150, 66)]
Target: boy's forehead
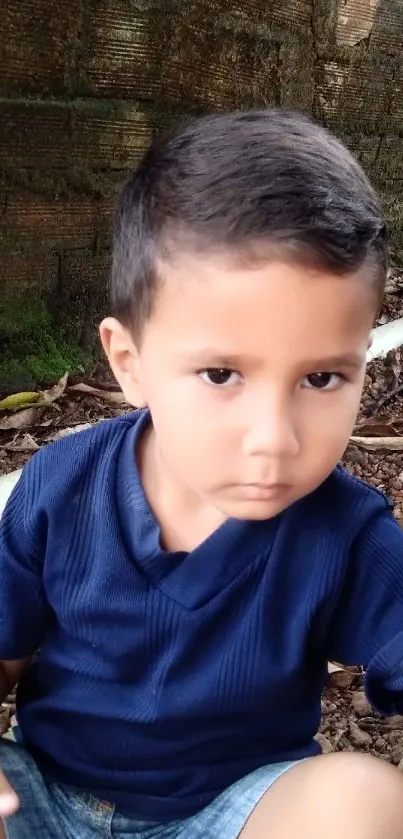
[(274, 284), (219, 265), (216, 303)]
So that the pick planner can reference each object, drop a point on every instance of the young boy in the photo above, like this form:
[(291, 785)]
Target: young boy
[(187, 570)]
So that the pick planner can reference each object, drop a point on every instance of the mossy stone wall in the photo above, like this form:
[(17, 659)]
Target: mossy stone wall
[(84, 85)]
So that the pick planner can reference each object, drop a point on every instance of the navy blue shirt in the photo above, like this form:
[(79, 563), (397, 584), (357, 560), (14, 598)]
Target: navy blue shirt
[(164, 677)]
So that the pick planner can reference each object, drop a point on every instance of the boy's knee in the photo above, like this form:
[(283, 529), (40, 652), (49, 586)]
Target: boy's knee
[(362, 794), (348, 793), (360, 783), (357, 772)]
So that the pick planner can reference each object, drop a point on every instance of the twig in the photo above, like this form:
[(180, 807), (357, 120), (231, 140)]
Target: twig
[(394, 444)]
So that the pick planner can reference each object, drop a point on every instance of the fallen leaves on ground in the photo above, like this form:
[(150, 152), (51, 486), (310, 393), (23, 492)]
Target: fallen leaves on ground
[(24, 419), (379, 432), (22, 416), (382, 426), (52, 414), (26, 443)]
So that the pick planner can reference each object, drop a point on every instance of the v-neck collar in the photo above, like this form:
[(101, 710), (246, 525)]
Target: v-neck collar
[(194, 578)]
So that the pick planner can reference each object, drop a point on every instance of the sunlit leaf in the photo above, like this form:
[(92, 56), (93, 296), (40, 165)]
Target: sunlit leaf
[(18, 400)]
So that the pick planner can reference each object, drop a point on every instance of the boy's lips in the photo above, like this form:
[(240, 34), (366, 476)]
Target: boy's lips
[(260, 491)]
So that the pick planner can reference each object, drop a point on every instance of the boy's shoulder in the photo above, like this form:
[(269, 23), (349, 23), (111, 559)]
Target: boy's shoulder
[(102, 434), (340, 515), (69, 459), (344, 495)]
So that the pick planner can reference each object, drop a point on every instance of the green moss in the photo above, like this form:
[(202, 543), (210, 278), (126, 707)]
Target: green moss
[(33, 350)]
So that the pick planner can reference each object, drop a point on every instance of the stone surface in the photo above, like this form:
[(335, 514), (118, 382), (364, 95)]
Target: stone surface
[(361, 704), (324, 743), (359, 737), (397, 754)]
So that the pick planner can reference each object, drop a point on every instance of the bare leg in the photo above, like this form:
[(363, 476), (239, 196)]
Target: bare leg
[(338, 796), (2, 830)]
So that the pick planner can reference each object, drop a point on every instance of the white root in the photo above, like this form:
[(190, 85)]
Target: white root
[(385, 338)]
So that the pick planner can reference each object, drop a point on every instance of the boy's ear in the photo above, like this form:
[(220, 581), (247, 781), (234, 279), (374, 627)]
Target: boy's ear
[(123, 358)]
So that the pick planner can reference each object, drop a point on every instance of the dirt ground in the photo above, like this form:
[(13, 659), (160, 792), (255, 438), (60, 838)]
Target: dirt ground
[(348, 722)]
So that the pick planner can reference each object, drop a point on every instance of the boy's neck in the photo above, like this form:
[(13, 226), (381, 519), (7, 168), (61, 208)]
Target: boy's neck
[(184, 519)]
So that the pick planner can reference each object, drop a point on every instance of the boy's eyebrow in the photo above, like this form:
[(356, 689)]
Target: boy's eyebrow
[(208, 355), (355, 360)]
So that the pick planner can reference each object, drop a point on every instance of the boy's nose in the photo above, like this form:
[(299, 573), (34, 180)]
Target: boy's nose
[(272, 432)]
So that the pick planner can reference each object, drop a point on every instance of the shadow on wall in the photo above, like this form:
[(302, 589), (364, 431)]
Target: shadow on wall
[(359, 94)]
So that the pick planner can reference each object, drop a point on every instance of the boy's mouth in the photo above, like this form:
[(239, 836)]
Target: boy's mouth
[(264, 492)]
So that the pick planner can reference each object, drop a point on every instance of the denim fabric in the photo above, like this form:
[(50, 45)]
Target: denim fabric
[(55, 811)]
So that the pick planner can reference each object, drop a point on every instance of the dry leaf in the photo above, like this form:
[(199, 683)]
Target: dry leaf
[(114, 396), (379, 427), (342, 676), (18, 400), (22, 419), (26, 443), (56, 391), (394, 444), (335, 666)]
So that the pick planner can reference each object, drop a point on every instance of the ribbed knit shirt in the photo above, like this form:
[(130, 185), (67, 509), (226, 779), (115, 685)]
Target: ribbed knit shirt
[(162, 678)]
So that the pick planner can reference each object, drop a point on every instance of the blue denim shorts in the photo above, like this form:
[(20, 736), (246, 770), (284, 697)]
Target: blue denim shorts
[(52, 811)]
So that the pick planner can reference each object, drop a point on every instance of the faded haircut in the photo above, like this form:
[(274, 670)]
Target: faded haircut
[(244, 182)]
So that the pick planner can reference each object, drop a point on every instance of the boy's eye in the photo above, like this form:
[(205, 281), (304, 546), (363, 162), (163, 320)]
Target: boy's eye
[(323, 381), (219, 376)]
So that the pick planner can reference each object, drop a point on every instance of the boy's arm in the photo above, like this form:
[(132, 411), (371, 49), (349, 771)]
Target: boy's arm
[(10, 674), (24, 611), (366, 626)]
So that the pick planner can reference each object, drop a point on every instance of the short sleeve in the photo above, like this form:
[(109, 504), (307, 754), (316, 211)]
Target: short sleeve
[(24, 611), (367, 623)]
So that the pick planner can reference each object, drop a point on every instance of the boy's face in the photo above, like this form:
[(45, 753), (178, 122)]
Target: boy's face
[(253, 377)]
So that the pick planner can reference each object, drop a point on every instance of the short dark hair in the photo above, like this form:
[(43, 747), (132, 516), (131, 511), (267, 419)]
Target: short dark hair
[(236, 179)]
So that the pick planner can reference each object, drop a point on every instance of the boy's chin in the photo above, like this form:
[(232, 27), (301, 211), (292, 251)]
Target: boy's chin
[(256, 509)]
